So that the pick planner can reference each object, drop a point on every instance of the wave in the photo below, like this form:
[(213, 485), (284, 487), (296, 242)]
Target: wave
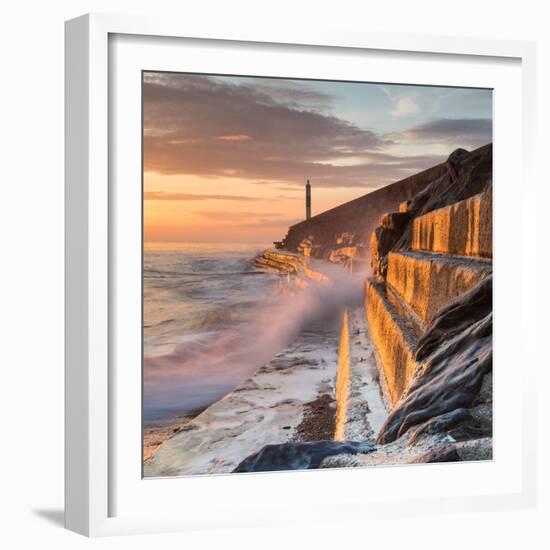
[(197, 373)]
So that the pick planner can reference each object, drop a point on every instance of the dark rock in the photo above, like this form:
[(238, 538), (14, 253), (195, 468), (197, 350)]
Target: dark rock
[(384, 238), (468, 430), (456, 316), (441, 423), (476, 449), (457, 353), (455, 161), (444, 454), (381, 242), (395, 221), (467, 175), (299, 456)]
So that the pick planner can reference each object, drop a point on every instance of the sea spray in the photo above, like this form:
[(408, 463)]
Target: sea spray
[(206, 367)]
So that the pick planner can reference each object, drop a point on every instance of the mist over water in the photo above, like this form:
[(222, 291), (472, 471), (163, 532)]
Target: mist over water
[(211, 319)]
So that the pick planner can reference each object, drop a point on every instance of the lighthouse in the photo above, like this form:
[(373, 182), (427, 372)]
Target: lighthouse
[(308, 200)]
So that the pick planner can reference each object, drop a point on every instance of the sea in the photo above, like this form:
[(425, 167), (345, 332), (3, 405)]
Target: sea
[(205, 308)]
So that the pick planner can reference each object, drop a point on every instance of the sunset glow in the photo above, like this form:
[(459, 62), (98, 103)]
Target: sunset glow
[(226, 158)]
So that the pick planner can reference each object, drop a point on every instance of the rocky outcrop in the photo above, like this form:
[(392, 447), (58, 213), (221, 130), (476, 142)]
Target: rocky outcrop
[(478, 449), (299, 456), (385, 237), (452, 357), (465, 228), (429, 307)]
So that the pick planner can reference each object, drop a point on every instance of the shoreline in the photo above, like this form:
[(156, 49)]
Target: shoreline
[(296, 274), (291, 399), (277, 404)]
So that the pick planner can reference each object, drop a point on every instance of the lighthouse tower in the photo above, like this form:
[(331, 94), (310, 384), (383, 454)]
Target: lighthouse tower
[(308, 200)]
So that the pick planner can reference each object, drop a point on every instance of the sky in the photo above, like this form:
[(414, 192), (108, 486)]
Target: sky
[(226, 158)]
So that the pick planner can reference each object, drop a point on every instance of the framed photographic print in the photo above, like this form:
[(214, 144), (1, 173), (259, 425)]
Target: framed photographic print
[(289, 279)]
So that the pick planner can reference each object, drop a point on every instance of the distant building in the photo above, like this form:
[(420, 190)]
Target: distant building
[(308, 200)]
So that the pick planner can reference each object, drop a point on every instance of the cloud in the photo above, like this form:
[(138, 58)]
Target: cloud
[(261, 138), (460, 132), (295, 95), (162, 196), (405, 106), (269, 131), (375, 170), (238, 137)]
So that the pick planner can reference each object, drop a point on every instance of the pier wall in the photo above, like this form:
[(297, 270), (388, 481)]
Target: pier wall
[(343, 233), (442, 255)]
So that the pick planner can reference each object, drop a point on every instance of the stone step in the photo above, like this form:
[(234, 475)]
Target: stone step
[(393, 339), (360, 409), (425, 281), (404, 311), (464, 228)]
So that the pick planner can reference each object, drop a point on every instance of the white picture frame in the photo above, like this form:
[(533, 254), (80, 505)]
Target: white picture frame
[(92, 219)]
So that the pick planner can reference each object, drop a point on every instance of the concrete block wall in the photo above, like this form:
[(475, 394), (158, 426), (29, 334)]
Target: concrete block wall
[(357, 218), (464, 228), (393, 339), (452, 252), (426, 282)]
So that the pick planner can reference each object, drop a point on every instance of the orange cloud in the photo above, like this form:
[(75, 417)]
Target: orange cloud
[(163, 196), (238, 137)]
